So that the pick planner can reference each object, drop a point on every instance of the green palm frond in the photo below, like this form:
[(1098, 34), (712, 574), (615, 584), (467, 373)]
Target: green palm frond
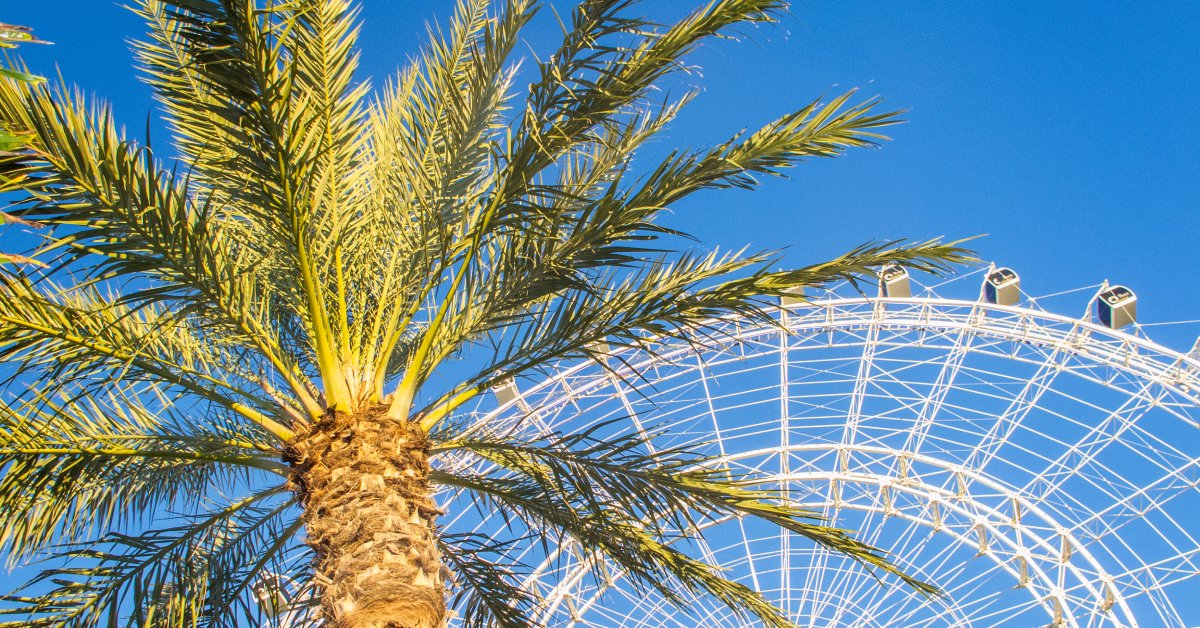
[(432, 140), (274, 87), (17, 75), (117, 212), (81, 464), (205, 124), (190, 575), (667, 490), (596, 74), (648, 560), (10, 36), (590, 80), (78, 337), (584, 234), (487, 583), (667, 300)]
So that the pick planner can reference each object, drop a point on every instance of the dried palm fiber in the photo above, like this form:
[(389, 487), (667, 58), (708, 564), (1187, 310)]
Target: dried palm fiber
[(364, 482)]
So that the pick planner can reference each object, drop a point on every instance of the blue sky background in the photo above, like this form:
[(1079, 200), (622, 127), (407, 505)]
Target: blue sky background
[(1067, 132)]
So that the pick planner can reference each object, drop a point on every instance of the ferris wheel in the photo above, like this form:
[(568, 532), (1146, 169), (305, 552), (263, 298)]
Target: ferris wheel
[(1042, 469)]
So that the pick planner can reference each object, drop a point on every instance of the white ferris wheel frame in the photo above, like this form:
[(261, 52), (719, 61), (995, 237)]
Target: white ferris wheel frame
[(1037, 548)]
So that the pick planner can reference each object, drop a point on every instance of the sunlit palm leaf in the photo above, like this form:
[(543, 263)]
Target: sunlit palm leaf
[(80, 464)]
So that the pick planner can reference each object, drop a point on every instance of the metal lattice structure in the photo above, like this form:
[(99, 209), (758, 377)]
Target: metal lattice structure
[(1042, 469)]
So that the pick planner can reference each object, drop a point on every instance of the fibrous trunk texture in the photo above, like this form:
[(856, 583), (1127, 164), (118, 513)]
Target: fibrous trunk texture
[(363, 480)]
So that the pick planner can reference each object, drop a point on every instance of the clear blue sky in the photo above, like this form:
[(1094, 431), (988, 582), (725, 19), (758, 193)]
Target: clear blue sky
[(1066, 131)]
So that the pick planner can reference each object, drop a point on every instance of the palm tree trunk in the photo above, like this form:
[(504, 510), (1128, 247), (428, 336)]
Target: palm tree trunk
[(364, 482)]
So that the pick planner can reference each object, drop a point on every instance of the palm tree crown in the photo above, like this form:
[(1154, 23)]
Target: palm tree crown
[(227, 403)]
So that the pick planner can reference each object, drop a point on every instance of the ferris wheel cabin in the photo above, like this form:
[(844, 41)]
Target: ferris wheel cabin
[(894, 282), (1116, 307), (1002, 287)]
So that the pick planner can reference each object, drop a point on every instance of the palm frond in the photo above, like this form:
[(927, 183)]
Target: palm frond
[(664, 301), (281, 78), (12, 34), (204, 121), (575, 238), (816, 130), (329, 113), (78, 337), (487, 587), (76, 465), (593, 79), (117, 213), (178, 577), (865, 261), (665, 489), (432, 144), (599, 72), (647, 559)]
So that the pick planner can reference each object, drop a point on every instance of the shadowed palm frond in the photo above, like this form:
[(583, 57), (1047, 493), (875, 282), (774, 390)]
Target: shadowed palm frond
[(489, 592), (86, 463), (197, 573), (649, 560), (668, 491)]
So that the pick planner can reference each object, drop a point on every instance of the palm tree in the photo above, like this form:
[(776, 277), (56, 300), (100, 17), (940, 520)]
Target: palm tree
[(256, 349)]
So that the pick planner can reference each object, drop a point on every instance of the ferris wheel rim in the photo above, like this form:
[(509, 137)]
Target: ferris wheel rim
[(626, 368)]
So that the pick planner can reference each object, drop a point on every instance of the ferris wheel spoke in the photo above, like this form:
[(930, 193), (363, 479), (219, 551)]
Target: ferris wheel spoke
[(906, 545), (718, 437), (809, 602), (1169, 570), (937, 396), (939, 571), (866, 363), (785, 467), (619, 389), (848, 582), (1085, 450), (1153, 495), (1007, 422)]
